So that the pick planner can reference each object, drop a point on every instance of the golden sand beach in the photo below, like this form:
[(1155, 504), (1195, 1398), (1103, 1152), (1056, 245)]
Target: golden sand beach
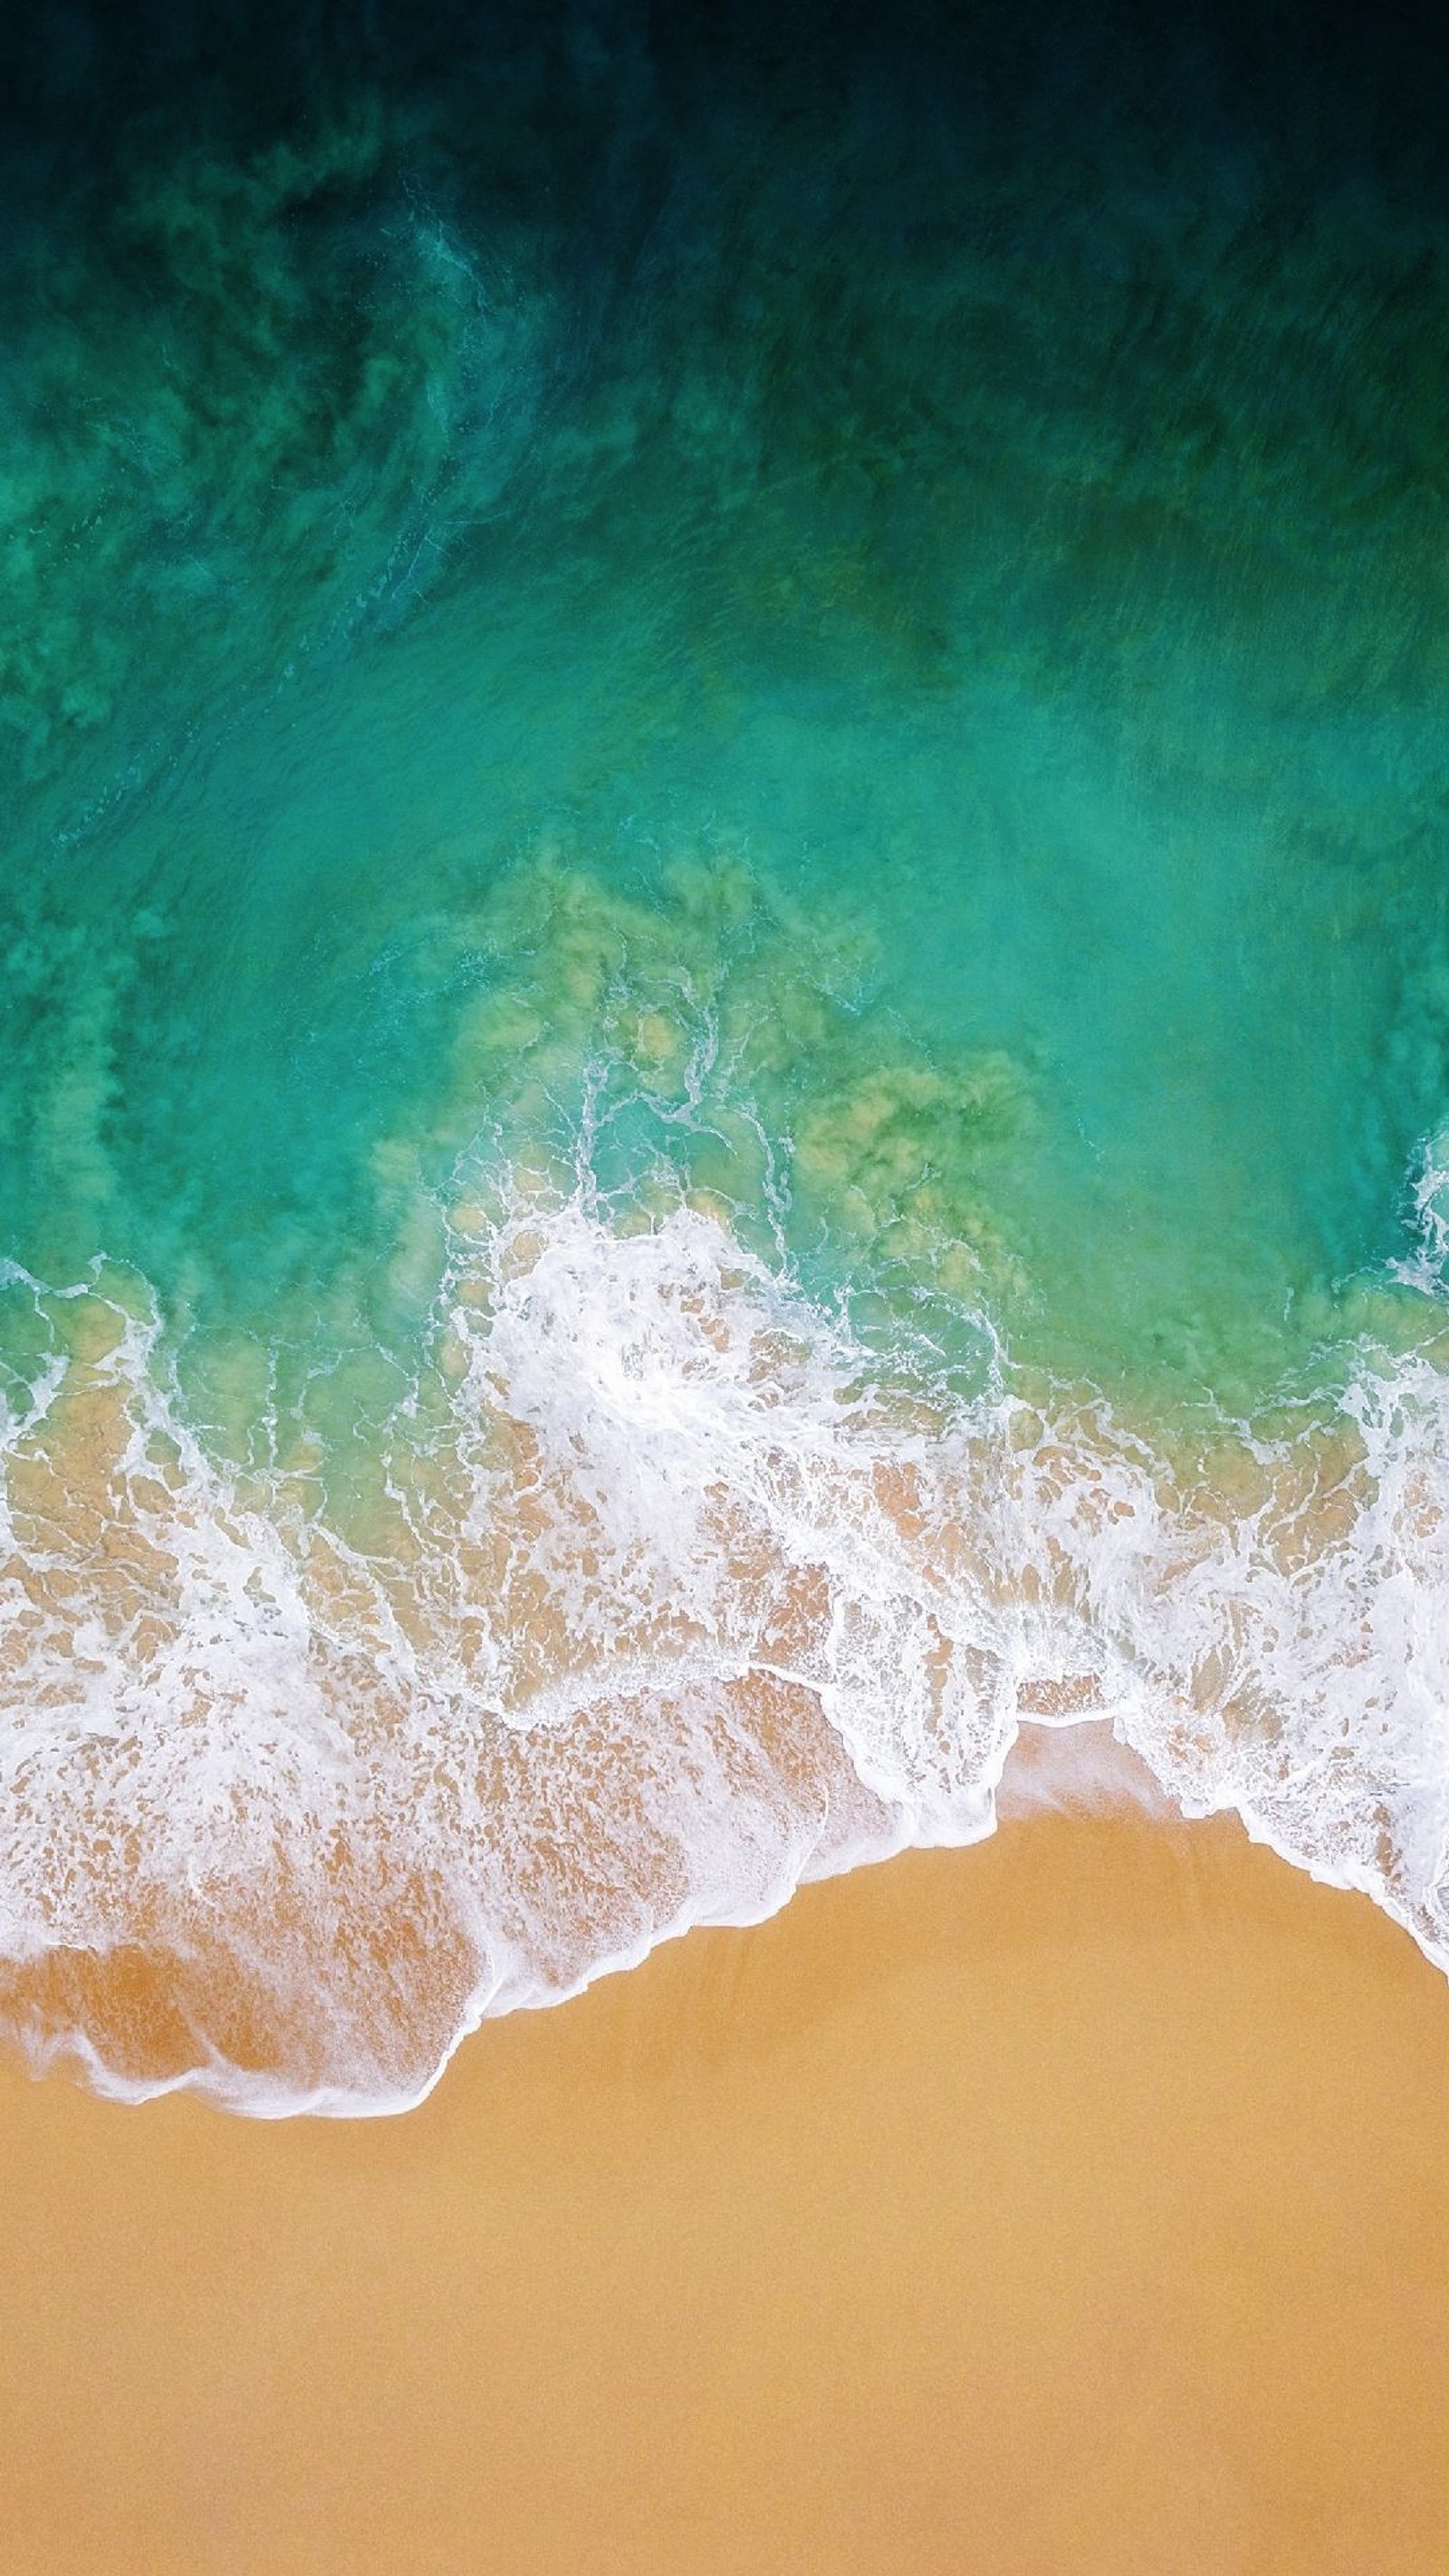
[(1073, 2206)]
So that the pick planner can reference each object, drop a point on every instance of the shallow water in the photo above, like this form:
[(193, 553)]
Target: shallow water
[(727, 982)]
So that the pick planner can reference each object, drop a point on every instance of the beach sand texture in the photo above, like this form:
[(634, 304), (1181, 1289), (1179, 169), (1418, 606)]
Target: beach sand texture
[(1074, 2206)]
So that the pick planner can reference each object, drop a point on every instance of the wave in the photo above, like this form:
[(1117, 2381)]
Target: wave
[(1427, 1267), (666, 1601)]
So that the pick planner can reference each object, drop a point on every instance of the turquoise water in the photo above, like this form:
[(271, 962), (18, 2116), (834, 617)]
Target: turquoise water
[(803, 708)]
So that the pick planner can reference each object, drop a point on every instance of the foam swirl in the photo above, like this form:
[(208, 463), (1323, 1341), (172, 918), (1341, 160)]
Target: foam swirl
[(667, 1604)]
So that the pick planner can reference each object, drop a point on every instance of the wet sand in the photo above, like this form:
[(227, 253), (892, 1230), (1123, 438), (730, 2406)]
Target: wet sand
[(1074, 2206)]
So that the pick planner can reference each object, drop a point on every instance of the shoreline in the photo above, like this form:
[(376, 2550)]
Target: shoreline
[(1080, 2200)]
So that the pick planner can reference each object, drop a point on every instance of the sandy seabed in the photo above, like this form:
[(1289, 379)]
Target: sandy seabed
[(1073, 2206)]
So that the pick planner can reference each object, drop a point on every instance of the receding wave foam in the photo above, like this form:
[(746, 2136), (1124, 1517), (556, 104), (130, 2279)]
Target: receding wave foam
[(668, 1604)]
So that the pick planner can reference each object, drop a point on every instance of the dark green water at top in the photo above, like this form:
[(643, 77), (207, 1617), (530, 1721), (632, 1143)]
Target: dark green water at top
[(925, 598)]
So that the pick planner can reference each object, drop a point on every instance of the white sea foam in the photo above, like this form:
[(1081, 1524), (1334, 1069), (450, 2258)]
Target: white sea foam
[(1427, 1267), (671, 1606)]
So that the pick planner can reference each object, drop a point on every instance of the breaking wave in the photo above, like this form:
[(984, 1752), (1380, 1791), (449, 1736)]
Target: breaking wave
[(664, 1601)]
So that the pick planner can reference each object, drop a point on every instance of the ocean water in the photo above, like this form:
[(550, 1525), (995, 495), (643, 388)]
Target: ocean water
[(724, 934)]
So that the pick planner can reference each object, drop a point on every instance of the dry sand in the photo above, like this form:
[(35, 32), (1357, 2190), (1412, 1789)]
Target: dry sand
[(1075, 2206)]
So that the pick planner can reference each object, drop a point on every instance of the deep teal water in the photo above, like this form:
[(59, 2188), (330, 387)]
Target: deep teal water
[(1040, 592)]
